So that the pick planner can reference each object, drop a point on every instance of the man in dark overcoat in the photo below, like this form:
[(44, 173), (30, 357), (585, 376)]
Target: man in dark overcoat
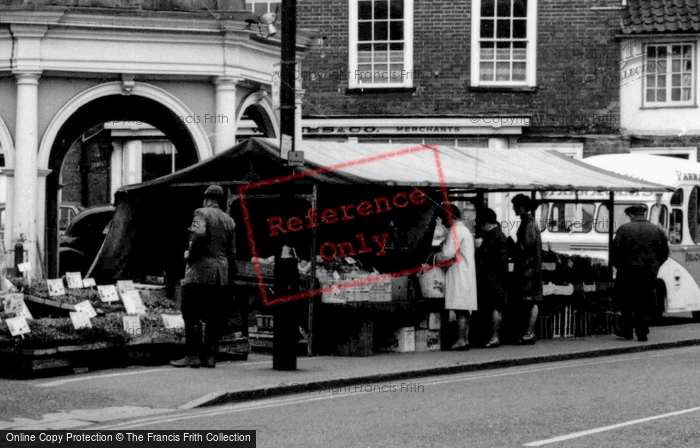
[(639, 249), (211, 265)]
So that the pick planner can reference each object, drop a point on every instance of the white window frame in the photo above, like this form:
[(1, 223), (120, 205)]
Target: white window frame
[(669, 103), (571, 149), (531, 51), (407, 81), (251, 4)]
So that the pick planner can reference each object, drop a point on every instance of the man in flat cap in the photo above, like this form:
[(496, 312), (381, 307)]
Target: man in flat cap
[(639, 249), (211, 264)]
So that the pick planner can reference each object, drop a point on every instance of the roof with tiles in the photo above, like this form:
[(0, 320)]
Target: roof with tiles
[(661, 16)]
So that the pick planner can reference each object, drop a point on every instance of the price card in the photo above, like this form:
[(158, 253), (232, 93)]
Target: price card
[(173, 321), (125, 285), (74, 280), (89, 282), (132, 325), (24, 267), (85, 307), (24, 312), (13, 303), (133, 303), (56, 287), (108, 293), (17, 325), (80, 320)]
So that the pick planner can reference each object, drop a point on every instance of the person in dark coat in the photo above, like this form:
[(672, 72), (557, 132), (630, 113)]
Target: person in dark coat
[(639, 249), (211, 264), (492, 270), (527, 260)]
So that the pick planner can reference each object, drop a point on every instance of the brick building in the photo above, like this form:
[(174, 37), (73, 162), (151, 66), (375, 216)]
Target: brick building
[(480, 73)]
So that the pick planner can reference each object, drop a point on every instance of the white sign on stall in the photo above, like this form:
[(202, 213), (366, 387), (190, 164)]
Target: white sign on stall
[(55, 286), (124, 286), (17, 325), (133, 303), (89, 282), (85, 307), (108, 293), (74, 280), (173, 321), (80, 320)]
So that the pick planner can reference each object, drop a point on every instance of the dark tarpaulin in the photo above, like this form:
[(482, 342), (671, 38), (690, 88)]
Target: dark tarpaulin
[(148, 234)]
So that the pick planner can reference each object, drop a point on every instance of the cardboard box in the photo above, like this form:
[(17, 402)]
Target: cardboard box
[(380, 291), (423, 324), (427, 340), (434, 321), (404, 340)]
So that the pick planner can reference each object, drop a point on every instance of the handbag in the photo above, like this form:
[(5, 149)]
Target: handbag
[(432, 280)]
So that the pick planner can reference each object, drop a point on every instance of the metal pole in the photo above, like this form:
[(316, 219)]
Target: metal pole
[(611, 232), (285, 328)]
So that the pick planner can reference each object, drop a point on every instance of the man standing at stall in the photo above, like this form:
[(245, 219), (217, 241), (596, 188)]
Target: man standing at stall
[(211, 264), (527, 260), (639, 249)]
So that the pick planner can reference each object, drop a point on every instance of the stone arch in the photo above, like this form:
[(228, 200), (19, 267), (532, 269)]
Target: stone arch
[(199, 136), (7, 144), (262, 102)]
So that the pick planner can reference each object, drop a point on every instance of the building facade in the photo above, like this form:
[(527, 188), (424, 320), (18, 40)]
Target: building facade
[(190, 70), (659, 77), (477, 73)]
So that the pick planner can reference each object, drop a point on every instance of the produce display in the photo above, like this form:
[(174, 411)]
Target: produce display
[(108, 326)]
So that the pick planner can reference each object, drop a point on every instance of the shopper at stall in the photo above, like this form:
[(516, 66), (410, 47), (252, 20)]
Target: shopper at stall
[(492, 271), (460, 280), (639, 249), (527, 260), (211, 263)]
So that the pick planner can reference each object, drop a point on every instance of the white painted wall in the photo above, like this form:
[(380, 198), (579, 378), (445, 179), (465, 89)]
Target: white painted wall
[(635, 119)]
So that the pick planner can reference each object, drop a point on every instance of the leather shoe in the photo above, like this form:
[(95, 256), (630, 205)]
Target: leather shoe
[(493, 343), (623, 334), (187, 361), (528, 339), (209, 362), (457, 347)]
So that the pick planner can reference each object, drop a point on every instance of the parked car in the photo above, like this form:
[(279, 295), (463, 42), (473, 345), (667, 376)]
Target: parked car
[(67, 211), (82, 240)]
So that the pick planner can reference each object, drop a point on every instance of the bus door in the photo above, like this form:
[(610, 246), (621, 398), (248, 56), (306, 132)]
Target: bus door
[(682, 271)]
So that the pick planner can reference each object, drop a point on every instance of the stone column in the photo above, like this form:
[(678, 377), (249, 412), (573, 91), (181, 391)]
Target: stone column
[(298, 101), (224, 118), (26, 154), (132, 162), (41, 268)]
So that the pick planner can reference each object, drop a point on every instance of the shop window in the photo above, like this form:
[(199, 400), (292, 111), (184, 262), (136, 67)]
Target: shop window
[(669, 74), (603, 221), (676, 234), (677, 198), (541, 214), (380, 43), (571, 218), (694, 215), (503, 42)]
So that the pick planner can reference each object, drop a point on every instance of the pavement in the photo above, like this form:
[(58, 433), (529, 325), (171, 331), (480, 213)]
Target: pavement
[(109, 395)]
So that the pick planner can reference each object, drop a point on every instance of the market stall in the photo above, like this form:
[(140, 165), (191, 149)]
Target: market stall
[(359, 218)]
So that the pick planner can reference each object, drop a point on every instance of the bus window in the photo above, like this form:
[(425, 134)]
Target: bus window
[(619, 218), (659, 215), (677, 198), (541, 215), (571, 217), (693, 218), (676, 234)]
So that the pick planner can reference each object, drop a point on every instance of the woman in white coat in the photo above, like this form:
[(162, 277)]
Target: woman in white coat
[(460, 280)]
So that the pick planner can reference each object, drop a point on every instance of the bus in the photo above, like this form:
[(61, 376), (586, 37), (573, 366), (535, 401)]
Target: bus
[(578, 224)]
